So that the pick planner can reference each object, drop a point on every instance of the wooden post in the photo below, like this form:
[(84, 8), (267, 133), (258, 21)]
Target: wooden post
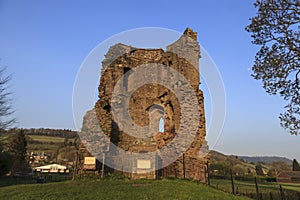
[(208, 176), (232, 183), (175, 169), (75, 167), (183, 163), (102, 168), (271, 196), (205, 175), (261, 196), (156, 166), (281, 192), (257, 191), (199, 174), (122, 169), (131, 165)]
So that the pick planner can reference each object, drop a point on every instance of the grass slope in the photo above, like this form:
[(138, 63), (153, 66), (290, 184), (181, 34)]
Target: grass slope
[(43, 138), (250, 186), (115, 189), (291, 190), (216, 157)]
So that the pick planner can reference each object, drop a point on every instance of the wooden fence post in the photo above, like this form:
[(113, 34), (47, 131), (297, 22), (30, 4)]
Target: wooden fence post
[(281, 192), (271, 196), (131, 165), (75, 167), (261, 196), (208, 176), (102, 168), (183, 163), (205, 175), (232, 183), (156, 166), (257, 191)]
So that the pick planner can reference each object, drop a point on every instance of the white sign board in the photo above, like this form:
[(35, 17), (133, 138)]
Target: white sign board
[(143, 164), (89, 160)]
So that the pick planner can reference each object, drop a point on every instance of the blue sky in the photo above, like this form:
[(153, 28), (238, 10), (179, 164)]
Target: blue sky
[(43, 44)]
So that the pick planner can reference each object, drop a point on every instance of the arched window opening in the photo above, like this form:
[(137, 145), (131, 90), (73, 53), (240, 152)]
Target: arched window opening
[(161, 127), (126, 76)]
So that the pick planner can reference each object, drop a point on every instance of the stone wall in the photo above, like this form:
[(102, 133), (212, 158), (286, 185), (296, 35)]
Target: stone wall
[(147, 105)]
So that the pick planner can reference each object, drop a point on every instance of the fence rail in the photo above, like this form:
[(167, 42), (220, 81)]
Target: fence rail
[(256, 189)]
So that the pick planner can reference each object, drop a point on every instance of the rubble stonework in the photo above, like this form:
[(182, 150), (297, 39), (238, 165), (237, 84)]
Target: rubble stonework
[(147, 105)]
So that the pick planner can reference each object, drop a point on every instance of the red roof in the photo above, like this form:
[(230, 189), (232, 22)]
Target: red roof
[(289, 173)]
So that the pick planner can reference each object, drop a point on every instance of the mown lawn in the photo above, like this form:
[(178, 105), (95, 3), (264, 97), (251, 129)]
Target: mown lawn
[(115, 189)]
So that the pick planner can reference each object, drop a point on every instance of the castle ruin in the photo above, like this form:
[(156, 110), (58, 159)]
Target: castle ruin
[(153, 105)]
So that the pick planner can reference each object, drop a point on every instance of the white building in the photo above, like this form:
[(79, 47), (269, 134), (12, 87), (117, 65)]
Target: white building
[(53, 168)]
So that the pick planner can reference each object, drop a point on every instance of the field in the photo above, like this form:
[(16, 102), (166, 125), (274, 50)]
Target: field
[(41, 143), (43, 138), (115, 189), (265, 188), (48, 144)]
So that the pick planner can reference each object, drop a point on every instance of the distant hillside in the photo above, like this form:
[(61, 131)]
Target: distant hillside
[(249, 159), (216, 156), (245, 165), (266, 159), (65, 133), (230, 161)]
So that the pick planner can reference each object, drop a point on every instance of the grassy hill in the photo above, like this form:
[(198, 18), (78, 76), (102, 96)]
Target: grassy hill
[(266, 159), (235, 161), (245, 167), (116, 189)]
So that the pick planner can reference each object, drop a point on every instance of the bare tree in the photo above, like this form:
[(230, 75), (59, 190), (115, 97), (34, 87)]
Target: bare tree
[(6, 109), (275, 29)]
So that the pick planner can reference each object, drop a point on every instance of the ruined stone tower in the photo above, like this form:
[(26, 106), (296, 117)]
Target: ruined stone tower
[(151, 105)]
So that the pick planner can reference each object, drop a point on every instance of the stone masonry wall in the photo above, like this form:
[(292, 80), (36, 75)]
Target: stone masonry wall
[(153, 101)]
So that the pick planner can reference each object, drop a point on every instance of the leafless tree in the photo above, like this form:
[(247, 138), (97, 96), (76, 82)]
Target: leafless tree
[(6, 108)]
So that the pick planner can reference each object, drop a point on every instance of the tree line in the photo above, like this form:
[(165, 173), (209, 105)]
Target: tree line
[(66, 133)]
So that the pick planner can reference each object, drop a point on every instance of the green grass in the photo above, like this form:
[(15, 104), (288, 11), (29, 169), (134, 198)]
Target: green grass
[(115, 189), (244, 186), (47, 144), (290, 186), (3, 137), (43, 138), (42, 147)]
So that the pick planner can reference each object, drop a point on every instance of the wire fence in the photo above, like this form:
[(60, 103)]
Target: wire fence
[(253, 187), (256, 188)]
